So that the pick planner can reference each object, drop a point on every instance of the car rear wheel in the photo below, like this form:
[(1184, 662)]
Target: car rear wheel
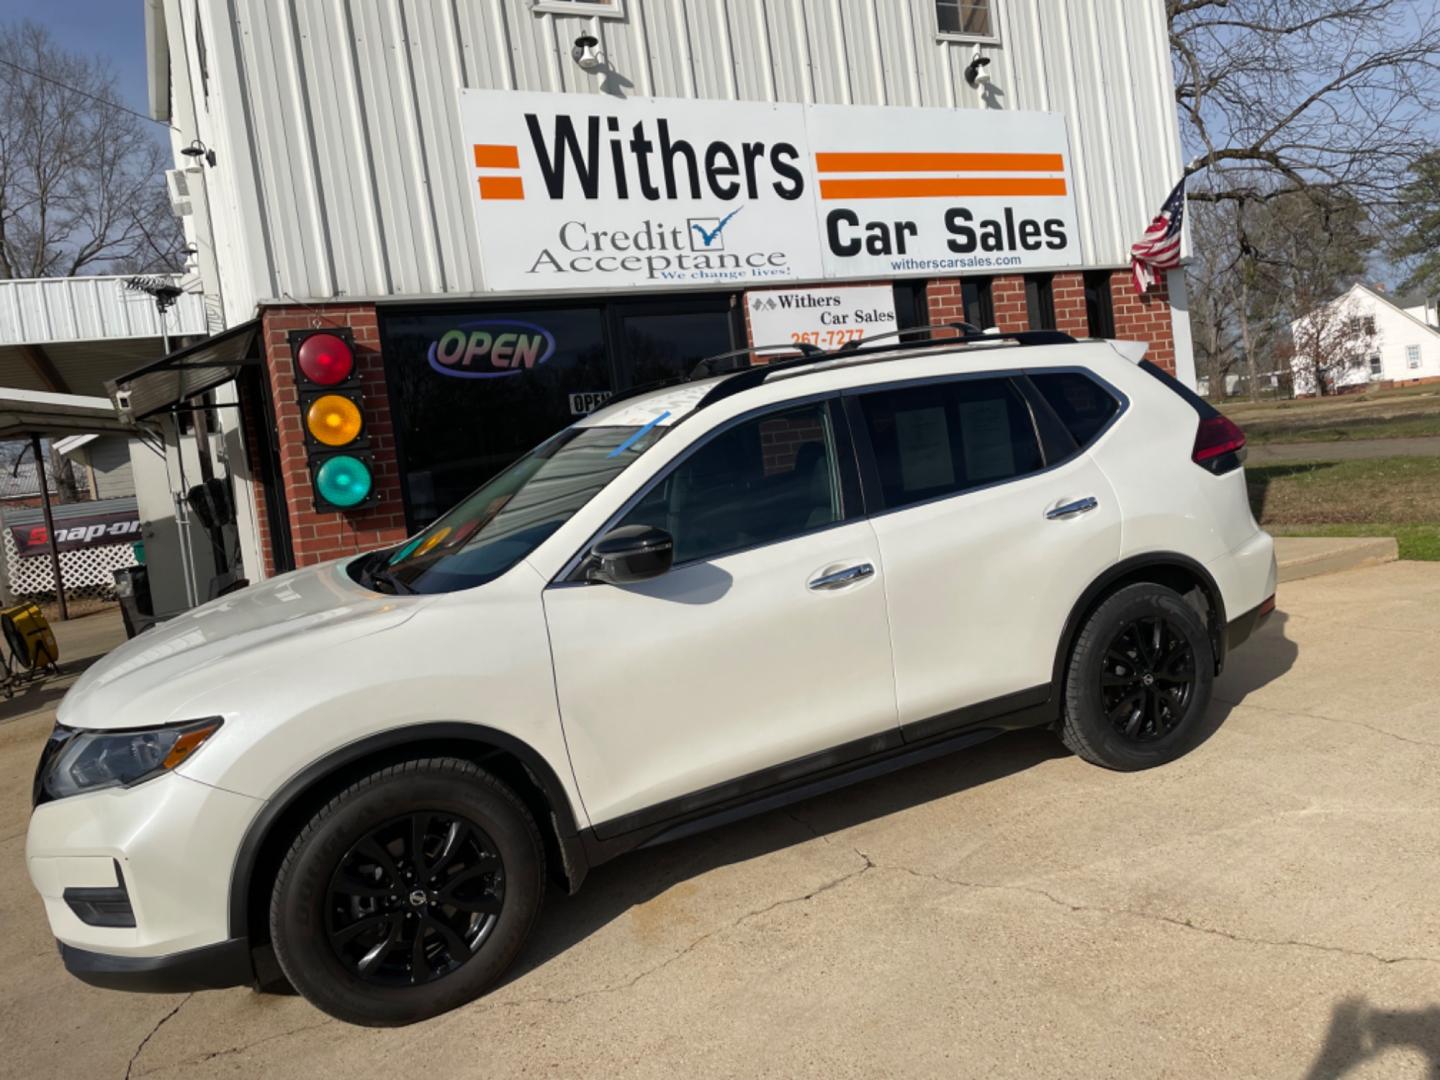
[(1139, 680), (408, 894)]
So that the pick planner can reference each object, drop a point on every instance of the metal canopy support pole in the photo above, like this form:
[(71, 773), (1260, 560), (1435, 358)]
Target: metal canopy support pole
[(49, 526)]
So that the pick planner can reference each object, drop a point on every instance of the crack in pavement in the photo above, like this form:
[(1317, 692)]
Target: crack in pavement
[(1170, 920), (1332, 720), (569, 999), (200, 1058), (151, 1034)]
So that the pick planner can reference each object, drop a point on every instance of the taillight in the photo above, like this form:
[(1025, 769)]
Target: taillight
[(1217, 440)]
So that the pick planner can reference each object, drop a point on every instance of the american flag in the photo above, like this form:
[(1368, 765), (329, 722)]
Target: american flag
[(1159, 248)]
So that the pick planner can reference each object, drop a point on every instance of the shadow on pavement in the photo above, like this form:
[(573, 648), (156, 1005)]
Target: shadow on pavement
[(634, 879), (1359, 1033)]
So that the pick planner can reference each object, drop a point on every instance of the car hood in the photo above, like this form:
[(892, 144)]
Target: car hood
[(151, 678)]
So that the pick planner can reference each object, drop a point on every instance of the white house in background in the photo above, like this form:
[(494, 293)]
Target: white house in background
[(1404, 346)]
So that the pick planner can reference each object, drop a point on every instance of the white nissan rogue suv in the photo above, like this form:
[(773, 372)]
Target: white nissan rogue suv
[(698, 602)]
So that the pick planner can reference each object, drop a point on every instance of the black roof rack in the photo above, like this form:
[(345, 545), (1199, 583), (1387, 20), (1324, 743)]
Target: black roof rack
[(969, 334), (745, 376)]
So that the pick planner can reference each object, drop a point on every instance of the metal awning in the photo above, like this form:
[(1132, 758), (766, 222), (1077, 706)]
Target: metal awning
[(37, 412), (172, 379)]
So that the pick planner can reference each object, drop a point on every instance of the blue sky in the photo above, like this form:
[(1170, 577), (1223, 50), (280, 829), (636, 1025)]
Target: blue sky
[(114, 29)]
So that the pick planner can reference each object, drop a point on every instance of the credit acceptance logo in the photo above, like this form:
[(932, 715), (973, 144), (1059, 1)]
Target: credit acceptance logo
[(491, 349)]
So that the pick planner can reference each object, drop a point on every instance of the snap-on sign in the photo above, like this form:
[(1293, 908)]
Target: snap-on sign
[(88, 532), (491, 349)]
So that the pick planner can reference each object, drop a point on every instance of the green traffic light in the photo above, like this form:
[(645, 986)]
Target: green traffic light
[(343, 481)]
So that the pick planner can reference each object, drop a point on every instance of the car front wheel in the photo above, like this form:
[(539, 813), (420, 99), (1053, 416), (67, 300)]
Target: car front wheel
[(408, 894), (1139, 680)]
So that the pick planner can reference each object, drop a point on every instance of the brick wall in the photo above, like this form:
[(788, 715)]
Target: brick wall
[(1069, 293), (318, 535), (1144, 318)]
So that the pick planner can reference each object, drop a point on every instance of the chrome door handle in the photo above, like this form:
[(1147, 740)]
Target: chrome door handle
[(840, 578), (1070, 509)]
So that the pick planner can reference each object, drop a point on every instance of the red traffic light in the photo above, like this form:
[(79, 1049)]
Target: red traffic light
[(325, 359)]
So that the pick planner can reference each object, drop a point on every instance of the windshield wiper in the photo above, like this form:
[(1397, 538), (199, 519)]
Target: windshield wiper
[(374, 573)]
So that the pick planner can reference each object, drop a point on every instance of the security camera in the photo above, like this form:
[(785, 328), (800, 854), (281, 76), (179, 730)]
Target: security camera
[(975, 72), (586, 52)]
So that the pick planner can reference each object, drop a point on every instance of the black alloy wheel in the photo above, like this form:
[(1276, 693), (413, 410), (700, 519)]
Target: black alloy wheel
[(415, 898), (1138, 679), (408, 893), (1148, 678)]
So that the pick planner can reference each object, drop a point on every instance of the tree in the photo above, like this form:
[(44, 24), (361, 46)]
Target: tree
[(81, 179), (1259, 267), (1281, 96), (1418, 225), (1332, 347)]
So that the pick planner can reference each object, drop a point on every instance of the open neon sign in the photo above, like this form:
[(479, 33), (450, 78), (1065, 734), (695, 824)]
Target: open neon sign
[(491, 349)]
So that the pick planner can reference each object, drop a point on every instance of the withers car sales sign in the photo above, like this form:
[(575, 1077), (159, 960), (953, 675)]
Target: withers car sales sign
[(586, 192)]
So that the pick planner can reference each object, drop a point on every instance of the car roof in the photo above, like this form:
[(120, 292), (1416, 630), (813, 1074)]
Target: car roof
[(666, 405)]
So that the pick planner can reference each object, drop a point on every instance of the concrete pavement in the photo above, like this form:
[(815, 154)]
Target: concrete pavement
[(1265, 907)]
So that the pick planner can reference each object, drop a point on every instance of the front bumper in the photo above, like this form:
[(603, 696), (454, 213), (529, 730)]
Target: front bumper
[(136, 881), (210, 967)]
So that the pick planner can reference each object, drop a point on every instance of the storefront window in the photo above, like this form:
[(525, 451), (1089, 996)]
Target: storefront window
[(474, 388), (471, 391)]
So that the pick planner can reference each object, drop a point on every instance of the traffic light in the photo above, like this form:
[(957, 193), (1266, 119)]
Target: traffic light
[(332, 409)]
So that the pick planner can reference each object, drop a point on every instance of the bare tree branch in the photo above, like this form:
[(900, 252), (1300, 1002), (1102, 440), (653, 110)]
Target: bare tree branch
[(81, 178)]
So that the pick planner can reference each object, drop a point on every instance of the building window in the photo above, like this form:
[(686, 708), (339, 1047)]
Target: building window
[(606, 9), (979, 304), (1040, 301), (968, 19), (1099, 304), (1412, 356), (202, 58), (1375, 367), (910, 306)]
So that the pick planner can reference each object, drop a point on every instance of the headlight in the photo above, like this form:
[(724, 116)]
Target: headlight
[(76, 761)]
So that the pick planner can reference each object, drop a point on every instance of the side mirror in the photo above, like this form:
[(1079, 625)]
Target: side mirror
[(630, 553)]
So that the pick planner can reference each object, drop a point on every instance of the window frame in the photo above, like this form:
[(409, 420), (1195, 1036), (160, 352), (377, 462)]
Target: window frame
[(1412, 357), (984, 286), (1377, 365), (1042, 404), (1099, 299), (994, 37), (1040, 315), (602, 9), (852, 506)]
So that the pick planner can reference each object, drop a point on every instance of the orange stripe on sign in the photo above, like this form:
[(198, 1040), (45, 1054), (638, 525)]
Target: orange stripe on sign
[(978, 187), (497, 157), (501, 187), (907, 162)]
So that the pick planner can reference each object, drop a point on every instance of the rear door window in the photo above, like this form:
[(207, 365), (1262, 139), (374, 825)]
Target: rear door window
[(940, 439), (1082, 404)]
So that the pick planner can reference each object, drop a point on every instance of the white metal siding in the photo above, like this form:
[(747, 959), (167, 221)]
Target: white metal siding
[(342, 172), (42, 311)]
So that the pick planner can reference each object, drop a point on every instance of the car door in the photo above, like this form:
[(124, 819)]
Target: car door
[(987, 543), (763, 646)]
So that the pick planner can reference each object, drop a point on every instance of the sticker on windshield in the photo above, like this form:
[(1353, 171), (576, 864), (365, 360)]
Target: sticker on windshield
[(637, 436)]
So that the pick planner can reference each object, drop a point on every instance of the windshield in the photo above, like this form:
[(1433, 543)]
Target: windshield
[(508, 518)]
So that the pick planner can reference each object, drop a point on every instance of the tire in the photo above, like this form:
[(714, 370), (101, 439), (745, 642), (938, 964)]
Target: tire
[(1129, 704), (369, 945)]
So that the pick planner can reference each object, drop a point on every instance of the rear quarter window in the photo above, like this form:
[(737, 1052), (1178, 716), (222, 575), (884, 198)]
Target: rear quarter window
[(1082, 404)]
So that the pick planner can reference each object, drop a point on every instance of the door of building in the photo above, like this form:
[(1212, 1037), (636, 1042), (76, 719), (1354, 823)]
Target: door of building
[(656, 339)]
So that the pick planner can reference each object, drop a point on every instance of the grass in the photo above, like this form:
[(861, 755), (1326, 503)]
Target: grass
[(1396, 496), (1375, 414)]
